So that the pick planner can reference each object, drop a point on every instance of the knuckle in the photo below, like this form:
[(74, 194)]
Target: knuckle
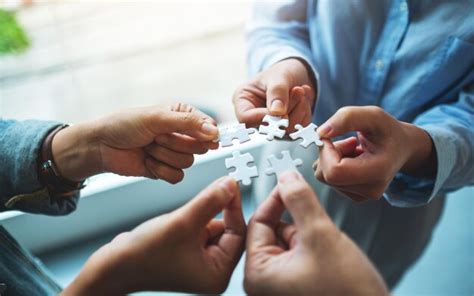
[(297, 191), (332, 175), (345, 112), (279, 88)]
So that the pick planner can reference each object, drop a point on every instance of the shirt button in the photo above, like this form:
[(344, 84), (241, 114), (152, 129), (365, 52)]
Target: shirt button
[(403, 6), (379, 64)]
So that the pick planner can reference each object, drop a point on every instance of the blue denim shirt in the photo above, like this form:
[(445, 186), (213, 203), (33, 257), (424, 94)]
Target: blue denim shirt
[(415, 59), (20, 143)]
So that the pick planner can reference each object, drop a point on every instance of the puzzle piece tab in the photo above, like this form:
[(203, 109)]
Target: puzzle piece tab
[(243, 172), (286, 163), (273, 129), (238, 131), (308, 134)]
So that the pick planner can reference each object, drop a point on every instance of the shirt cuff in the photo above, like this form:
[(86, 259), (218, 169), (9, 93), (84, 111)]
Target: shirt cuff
[(408, 191), (20, 148)]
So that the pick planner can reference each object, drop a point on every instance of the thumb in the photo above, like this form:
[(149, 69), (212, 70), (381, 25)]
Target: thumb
[(300, 200), (348, 119), (211, 201), (192, 123), (278, 96)]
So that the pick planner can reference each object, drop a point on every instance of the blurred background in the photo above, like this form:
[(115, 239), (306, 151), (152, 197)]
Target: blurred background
[(81, 59), (77, 60)]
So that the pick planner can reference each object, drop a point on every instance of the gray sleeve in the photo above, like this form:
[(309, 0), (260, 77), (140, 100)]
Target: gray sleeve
[(20, 189)]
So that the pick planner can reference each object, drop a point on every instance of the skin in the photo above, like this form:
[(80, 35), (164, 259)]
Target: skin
[(186, 250), (362, 167), (285, 89), (309, 257), (156, 142)]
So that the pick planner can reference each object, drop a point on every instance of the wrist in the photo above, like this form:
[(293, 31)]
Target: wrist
[(75, 152), (103, 274), (421, 161)]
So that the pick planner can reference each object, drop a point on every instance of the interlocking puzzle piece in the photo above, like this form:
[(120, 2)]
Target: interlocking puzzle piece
[(238, 131), (243, 172), (273, 129), (285, 163), (308, 134)]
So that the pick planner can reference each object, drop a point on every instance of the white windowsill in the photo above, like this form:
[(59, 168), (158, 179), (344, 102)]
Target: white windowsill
[(111, 201)]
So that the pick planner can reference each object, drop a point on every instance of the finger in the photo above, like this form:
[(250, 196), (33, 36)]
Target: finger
[(233, 238), (337, 171), (262, 226), (184, 143), (249, 104), (172, 158), (183, 107), (299, 199), (361, 192), (215, 228), (347, 147), (354, 196), (315, 164), (189, 123), (299, 113), (278, 93), (211, 201), (349, 119), (163, 171), (310, 96), (286, 232)]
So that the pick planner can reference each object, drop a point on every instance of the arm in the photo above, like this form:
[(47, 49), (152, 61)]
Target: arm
[(308, 257), (20, 145), (408, 163), (450, 127), (280, 59), (278, 31), (186, 250), (154, 142)]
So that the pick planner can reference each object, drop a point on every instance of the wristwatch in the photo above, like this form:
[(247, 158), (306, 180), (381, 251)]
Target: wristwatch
[(49, 175)]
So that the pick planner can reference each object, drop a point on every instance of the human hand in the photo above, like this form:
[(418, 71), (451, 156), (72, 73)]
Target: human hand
[(285, 89), (186, 250), (309, 257), (155, 142), (362, 167)]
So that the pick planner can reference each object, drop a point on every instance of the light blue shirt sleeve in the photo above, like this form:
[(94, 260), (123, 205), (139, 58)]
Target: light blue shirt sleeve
[(278, 31), (374, 53), (451, 127)]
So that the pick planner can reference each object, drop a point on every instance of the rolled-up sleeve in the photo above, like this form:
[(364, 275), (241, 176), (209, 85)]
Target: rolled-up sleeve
[(20, 189), (278, 30), (451, 128)]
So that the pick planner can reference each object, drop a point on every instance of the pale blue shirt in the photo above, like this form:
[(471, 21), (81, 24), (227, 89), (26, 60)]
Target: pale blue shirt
[(415, 59)]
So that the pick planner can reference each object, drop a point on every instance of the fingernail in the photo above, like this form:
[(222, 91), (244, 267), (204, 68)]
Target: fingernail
[(324, 130), (228, 185), (289, 176), (209, 129), (277, 106)]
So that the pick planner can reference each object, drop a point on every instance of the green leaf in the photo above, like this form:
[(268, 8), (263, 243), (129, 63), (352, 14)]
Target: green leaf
[(12, 37)]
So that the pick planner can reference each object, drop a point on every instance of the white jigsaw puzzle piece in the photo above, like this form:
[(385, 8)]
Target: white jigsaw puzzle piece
[(308, 134), (283, 164), (228, 134), (243, 172), (273, 129)]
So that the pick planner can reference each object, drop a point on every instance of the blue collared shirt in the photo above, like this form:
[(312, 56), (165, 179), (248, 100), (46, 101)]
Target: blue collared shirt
[(415, 59)]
